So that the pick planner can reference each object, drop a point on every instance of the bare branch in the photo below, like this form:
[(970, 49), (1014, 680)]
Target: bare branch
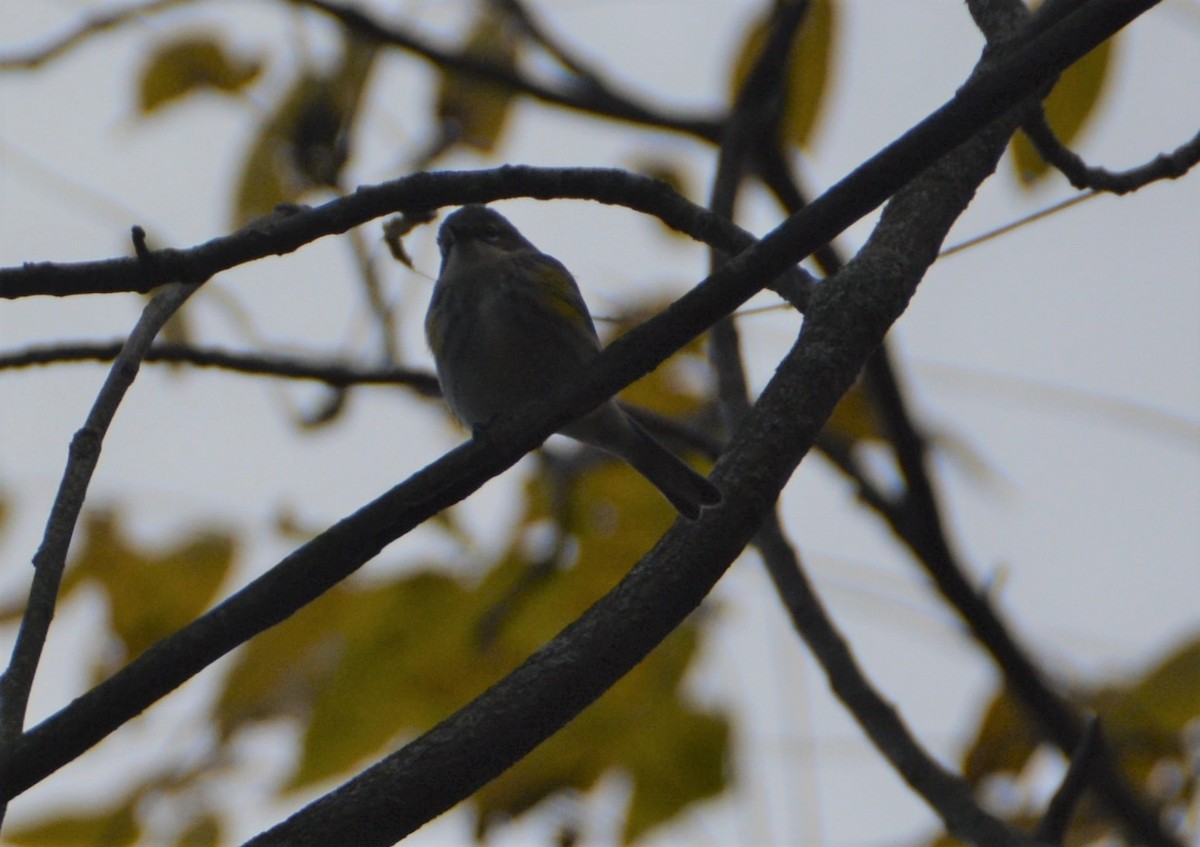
[(585, 94), (83, 31), (1053, 826), (1170, 165), (51, 557), (262, 364)]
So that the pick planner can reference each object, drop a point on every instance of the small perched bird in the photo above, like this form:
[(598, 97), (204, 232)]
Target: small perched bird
[(508, 325)]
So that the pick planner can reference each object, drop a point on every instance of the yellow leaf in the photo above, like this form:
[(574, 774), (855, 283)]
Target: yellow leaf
[(151, 593), (108, 828), (807, 68), (190, 64), (305, 143), (471, 109), (1068, 107), (1169, 694), (204, 831), (662, 390), (1004, 742), (409, 659), (854, 419), (1146, 719)]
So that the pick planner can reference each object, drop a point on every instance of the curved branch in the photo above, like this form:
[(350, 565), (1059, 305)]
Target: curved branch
[(997, 86), (1170, 165)]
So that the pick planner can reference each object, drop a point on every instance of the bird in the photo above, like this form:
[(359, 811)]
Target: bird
[(507, 325)]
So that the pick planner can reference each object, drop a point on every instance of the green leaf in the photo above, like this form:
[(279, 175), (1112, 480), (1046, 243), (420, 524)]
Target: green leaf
[(1146, 719), (203, 831), (1068, 107), (808, 68), (189, 64)]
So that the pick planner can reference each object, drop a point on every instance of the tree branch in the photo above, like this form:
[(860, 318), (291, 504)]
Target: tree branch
[(331, 373), (51, 557), (84, 30), (1053, 826), (1171, 165), (588, 94)]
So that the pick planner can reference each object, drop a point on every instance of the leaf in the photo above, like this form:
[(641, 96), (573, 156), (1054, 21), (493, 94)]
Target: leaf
[(203, 831), (305, 142), (471, 109), (854, 419), (114, 827), (189, 64), (1004, 741), (1145, 720), (1068, 107), (398, 226), (151, 593), (1169, 695), (808, 68), (662, 390)]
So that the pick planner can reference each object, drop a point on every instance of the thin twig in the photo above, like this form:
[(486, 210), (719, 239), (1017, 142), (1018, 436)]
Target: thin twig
[(262, 364), (50, 559), (588, 98), (84, 30), (1081, 175), (1053, 826), (586, 76)]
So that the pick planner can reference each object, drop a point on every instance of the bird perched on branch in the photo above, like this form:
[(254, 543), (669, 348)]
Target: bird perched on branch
[(508, 325)]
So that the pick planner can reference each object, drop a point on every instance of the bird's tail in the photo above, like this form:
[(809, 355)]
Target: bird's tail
[(687, 490)]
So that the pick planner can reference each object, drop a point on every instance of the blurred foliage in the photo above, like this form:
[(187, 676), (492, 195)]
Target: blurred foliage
[(472, 110), (1069, 107), (305, 143), (188, 64), (113, 827), (808, 68), (1153, 722), (150, 593), (854, 419)]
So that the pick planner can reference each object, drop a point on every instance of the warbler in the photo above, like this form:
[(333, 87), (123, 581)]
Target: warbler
[(507, 325)]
